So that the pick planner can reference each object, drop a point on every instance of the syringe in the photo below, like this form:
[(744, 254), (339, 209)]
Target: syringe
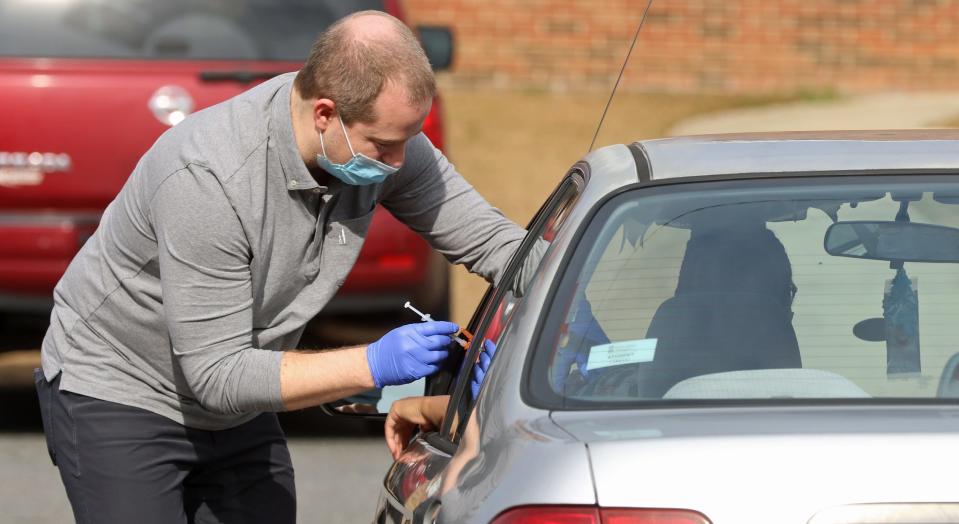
[(463, 341)]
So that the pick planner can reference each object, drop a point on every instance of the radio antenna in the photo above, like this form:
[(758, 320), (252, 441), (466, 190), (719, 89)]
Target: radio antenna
[(620, 77)]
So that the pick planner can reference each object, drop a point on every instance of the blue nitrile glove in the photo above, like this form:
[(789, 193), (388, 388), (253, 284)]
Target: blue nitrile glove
[(479, 370), (565, 356), (409, 352), (584, 332)]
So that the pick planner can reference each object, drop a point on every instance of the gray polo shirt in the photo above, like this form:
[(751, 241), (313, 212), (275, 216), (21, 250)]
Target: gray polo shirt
[(218, 250)]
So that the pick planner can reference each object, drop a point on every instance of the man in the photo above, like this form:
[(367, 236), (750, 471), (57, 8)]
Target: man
[(167, 352)]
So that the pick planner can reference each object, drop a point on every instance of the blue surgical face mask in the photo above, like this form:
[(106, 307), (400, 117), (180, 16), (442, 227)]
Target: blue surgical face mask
[(360, 170)]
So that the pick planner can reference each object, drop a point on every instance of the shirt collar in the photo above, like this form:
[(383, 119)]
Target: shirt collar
[(298, 177)]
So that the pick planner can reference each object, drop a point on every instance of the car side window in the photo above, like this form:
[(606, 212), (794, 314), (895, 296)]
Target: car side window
[(500, 302)]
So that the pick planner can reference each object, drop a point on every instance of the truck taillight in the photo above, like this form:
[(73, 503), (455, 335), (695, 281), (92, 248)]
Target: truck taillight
[(396, 262), (594, 515)]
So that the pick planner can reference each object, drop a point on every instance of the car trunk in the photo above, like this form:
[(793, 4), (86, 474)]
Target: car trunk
[(761, 465)]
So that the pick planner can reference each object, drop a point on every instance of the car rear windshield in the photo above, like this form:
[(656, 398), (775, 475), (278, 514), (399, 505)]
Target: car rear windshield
[(763, 290), (169, 29)]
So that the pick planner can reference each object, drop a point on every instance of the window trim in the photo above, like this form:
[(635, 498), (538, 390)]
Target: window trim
[(575, 181), (443, 382)]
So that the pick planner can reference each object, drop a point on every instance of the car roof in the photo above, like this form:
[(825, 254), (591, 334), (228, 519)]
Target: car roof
[(920, 150)]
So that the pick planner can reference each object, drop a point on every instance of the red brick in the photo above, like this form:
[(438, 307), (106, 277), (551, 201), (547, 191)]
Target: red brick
[(742, 45)]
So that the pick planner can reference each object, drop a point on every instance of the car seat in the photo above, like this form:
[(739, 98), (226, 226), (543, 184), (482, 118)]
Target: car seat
[(732, 310)]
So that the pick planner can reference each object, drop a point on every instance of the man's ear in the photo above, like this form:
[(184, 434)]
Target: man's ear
[(324, 110)]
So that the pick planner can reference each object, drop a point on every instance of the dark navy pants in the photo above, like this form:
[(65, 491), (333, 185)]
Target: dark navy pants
[(122, 464)]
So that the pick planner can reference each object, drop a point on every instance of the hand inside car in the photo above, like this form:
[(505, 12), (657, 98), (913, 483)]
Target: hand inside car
[(408, 414), (584, 332)]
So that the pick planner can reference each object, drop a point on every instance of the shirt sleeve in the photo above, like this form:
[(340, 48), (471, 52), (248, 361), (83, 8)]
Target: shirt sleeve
[(431, 197), (204, 259)]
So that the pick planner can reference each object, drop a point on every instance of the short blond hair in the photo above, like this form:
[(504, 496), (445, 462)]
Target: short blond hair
[(352, 71)]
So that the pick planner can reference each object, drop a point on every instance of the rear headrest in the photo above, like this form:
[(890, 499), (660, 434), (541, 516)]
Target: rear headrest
[(700, 333), (752, 261)]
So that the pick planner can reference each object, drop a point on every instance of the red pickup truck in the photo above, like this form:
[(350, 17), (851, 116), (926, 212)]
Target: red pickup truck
[(86, 86)]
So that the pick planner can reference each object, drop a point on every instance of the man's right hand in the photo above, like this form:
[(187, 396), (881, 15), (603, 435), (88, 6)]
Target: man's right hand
[(409, 352)]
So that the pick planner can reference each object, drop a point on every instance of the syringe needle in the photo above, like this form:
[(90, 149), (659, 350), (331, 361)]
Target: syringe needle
[(461, 340), (424, 316)]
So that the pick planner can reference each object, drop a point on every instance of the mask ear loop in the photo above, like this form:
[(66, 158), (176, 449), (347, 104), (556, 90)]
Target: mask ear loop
[(348, 144), (323, 147)]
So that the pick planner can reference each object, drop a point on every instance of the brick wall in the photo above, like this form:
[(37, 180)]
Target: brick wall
[(701, 45)]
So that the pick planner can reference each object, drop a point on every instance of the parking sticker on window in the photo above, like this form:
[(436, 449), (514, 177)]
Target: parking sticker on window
[(625, 352)]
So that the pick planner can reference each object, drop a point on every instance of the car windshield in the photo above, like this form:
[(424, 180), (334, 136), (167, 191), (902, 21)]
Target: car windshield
[(800, 288), (169, 29)]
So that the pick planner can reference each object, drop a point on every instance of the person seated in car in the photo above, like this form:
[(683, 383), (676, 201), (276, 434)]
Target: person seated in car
[(732, 309)]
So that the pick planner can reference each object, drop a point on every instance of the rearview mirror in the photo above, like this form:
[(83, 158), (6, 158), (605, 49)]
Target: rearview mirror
[(893, 241), (374, 403)]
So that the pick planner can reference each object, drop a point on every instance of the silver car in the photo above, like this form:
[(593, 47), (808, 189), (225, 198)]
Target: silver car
[(720, 329)]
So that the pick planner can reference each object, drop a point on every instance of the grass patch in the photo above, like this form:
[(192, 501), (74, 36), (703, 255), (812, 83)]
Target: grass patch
[(515, 147)]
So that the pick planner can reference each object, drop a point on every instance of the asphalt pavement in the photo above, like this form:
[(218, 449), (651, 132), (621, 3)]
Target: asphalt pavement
[(338, 469), (337, 480)]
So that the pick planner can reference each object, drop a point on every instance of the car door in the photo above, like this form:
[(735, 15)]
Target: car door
[(412, 488)]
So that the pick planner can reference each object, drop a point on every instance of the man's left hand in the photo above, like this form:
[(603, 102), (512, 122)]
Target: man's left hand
[(479, 370)]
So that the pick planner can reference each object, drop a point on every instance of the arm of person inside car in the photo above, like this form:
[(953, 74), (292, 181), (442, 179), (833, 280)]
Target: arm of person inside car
[(430, 197), (427, 413), (412, 413)]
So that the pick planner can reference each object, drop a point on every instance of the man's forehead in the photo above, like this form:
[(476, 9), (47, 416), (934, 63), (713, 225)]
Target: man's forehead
[(395, 118)]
